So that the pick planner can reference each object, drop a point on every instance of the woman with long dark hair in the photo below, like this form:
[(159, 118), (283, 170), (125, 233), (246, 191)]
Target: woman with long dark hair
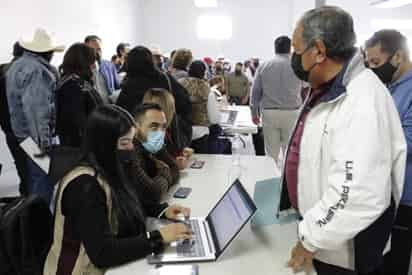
[(99, 220), (76, 96)]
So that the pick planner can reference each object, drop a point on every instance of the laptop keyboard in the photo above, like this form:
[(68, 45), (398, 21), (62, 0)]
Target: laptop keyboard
[(193, 247), (232, 117)]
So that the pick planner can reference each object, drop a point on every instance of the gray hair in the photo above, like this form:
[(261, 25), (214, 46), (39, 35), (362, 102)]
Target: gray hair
[(334, 27)]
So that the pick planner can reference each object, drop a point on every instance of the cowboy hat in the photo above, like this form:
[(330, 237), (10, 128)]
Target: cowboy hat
[(42, 42), (156, 51)]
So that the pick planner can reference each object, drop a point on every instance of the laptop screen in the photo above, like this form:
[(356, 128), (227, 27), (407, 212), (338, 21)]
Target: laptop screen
[(228, 117), (230, 214)]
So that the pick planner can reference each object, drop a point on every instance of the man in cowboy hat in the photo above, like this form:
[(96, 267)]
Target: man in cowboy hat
[(157, 57), (31, 83)]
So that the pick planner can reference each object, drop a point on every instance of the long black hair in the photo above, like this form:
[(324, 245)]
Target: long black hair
[(139, 62), (78, 60), (104, 127)]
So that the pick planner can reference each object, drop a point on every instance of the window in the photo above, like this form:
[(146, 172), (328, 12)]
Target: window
[(214, 27)]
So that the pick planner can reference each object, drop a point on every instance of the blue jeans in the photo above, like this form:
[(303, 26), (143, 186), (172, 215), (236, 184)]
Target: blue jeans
[(38, 181)]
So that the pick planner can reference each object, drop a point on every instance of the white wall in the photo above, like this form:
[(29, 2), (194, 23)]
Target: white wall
[(363, 14), (71, 20), (299, 7), (172, 24)]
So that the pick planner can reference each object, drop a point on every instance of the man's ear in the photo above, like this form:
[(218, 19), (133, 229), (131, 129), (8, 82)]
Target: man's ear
[(397, 58), (321, 51), (137, 127), (138, 130)]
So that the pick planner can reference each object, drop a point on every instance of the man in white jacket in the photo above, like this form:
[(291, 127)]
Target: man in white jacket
[(345, 162)]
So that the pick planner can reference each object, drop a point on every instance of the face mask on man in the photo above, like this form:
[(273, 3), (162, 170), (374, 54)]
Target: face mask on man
[(386, 71), (155, 141), (297, 67)]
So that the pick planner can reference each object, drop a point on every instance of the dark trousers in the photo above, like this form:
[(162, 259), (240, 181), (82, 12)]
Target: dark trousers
[(398, 259), (326, 269), (237, 100), (20, 161), (259, 142)]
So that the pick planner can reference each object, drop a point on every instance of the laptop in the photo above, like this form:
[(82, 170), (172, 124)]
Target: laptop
[(213, 234), (228, 117)]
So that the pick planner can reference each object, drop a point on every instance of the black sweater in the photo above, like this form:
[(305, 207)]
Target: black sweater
[(134, 88), (85, 210), (76, 99)]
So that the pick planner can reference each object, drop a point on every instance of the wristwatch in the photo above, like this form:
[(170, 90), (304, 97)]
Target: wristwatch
[(155, 240)]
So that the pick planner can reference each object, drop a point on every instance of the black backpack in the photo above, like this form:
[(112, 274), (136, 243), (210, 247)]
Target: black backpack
[(26, 233)]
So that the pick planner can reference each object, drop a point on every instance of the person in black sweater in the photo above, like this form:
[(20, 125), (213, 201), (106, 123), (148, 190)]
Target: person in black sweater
[(143, 75), (97, 210), (76, 97)]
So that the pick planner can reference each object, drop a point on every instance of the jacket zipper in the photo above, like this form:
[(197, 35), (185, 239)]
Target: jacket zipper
[(282, 179), (290, 141)]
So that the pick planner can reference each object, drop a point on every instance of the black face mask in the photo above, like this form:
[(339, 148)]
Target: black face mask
[(297, 67), (126, 156), (386, 71)]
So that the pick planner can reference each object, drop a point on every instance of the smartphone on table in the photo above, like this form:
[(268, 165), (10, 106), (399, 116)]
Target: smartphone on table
[(182, 192), (197, 164)]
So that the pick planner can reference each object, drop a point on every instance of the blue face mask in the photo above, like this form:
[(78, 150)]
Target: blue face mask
[(155, 141)]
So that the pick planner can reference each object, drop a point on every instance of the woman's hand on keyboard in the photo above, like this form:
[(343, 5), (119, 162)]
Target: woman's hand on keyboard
[(174, 212), (174, 232)]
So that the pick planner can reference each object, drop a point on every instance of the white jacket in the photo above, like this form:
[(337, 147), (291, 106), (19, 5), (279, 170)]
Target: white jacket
[(352, 160)]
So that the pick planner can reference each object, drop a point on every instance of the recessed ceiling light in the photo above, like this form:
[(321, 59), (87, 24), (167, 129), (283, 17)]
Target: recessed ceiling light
[(388, 4)]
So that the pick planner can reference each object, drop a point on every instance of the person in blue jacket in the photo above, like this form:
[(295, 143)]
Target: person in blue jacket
[(106, 79), (387, 54)]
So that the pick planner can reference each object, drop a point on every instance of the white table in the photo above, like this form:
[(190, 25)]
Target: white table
[(243, 123), (262, 251)]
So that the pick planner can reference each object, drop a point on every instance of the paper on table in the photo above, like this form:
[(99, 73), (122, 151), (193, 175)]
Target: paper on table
[(175, 270), (267, 198), (31, 149)]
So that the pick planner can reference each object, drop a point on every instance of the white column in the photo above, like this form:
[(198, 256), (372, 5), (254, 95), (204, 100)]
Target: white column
[(320, 3)]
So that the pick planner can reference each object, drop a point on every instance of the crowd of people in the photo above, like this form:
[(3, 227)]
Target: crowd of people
[(336, 119)]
